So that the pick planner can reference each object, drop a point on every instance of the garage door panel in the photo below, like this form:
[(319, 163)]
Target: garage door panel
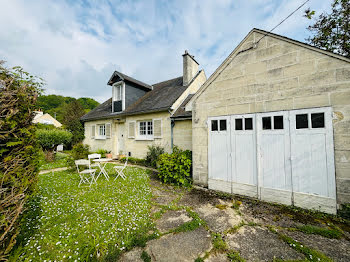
[(310, 164), (219, 156), (244, 158), (273, 161)]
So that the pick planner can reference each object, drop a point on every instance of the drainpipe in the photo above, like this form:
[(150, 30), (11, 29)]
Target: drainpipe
[(172, 134)]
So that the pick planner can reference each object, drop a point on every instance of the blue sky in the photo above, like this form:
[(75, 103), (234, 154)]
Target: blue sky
[(75, 45)]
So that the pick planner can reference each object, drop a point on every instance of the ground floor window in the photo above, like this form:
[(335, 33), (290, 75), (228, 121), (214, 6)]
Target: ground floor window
[(145, 129), (102, 130)]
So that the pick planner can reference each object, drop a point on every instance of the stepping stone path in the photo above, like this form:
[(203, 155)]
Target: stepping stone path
[(247, 229)]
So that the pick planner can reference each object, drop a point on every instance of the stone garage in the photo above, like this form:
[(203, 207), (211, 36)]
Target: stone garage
[(273, 123)]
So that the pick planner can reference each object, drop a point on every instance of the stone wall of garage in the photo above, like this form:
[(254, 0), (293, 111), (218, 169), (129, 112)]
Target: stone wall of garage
[(276, 75), (183, 134)]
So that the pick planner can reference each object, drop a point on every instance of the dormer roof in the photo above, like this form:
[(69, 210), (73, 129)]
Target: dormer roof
[(118, 76)]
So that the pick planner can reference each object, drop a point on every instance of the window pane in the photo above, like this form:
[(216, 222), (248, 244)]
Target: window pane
[(301, 121), (142, 128), (278, 122), (317, 120), (223, 125), (150, 128), (248, 123), (239, 124), (214, 125), (266, 123)]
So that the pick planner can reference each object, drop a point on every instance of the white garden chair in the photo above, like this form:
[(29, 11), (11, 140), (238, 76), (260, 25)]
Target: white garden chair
[(93, 164), (86, 175), (120, 170)]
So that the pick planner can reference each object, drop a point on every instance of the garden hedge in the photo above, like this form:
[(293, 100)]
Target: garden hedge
[(19, 153)]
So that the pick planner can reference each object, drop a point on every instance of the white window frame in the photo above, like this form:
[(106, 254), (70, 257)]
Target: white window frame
[(99, 128), (121, 86), (144, 136)]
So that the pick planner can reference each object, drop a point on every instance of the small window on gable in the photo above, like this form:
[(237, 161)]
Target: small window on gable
[(278, 122), (301, 121), (248, 123), (239, 124), (317, 120), (214, 125), (266, 123), (223, 125)]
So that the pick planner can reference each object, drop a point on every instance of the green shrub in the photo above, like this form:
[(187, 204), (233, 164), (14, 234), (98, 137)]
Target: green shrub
[(176, 168), (49, 139), (79, 151), (344, 212), (19, 152), (102, 152), (135, 161), (153, 155)]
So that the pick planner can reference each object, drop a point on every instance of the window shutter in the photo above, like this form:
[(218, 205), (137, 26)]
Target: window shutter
[(131, 129), (93, 127), (108, 130), (157, 128)]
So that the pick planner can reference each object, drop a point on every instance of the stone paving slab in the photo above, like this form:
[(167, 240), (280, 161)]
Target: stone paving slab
[(219, 220), (133, 255), (259, 244), (218, 257), (184, 246), (172, 219), (337, 249)]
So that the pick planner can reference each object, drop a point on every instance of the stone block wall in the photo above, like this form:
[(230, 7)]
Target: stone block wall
[(276, 75), (183, 134)]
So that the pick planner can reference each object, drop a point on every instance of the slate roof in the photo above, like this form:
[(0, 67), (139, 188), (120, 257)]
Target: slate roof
[(161, 98), (181, 112), (116, 74)]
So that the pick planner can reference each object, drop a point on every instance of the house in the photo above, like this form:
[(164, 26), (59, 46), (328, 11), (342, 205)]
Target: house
[(46, 119), (138, 114), (272, 122)]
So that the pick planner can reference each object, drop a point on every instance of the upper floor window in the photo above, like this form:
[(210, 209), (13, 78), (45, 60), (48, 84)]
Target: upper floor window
[(118, 94)]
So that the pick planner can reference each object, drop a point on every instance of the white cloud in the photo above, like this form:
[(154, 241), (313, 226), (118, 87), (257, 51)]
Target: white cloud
[(76, 46)]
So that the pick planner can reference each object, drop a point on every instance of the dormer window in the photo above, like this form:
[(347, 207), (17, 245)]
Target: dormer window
[(118, 97)]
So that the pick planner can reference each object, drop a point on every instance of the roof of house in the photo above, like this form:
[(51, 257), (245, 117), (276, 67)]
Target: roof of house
[(161, 98), (116, 74), (181, 112)]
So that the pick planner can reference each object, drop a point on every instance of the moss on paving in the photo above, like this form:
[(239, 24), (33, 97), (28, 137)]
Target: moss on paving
[(235, 256)]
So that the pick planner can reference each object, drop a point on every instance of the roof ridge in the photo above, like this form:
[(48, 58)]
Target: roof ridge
[(167, 80)]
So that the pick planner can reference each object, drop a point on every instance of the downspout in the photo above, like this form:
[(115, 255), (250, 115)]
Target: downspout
[(172, 124), (172, 134)]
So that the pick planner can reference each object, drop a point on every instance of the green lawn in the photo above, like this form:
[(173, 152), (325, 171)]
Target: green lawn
[(60, 161), (64, 222)]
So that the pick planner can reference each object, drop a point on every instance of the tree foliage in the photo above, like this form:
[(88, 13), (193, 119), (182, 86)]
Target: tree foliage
[(49, 139), (55, 104), (72, 114), (332, 31), (19, 154)]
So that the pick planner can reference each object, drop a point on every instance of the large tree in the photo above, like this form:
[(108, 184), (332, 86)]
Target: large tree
[(72, 114), (332, 31)]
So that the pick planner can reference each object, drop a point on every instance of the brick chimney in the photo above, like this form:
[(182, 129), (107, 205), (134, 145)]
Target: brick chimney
[(190, 68)]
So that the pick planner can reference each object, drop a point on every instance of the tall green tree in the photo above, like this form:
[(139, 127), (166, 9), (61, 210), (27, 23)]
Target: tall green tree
[(332, 31), (72, 114)]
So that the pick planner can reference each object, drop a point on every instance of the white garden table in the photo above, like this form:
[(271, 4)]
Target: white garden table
[(103, 162)]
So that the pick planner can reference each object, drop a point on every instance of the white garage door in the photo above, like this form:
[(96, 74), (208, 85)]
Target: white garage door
[(284, 157)]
